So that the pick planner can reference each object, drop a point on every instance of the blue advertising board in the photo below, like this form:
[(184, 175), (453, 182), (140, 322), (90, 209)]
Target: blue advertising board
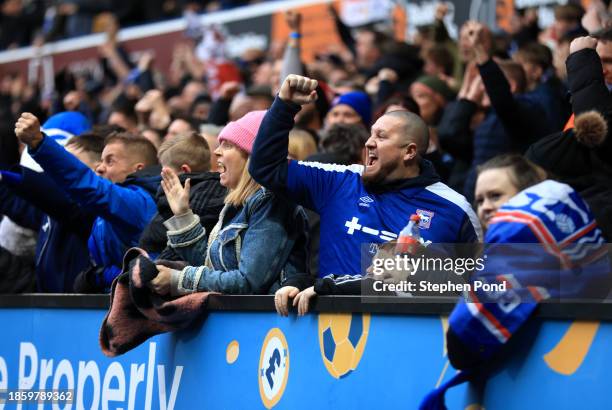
[(249, 360)]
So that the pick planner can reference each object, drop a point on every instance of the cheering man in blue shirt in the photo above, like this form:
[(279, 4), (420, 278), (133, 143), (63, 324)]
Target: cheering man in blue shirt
[(361, 205)]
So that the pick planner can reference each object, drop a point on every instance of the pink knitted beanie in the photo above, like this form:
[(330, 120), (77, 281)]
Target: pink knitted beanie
[(243, 131)]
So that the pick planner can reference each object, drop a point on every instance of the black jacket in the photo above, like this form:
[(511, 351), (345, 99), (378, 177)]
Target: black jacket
[(511, 124), (588, 170), (589, 92), (205, 199), (16, 273)]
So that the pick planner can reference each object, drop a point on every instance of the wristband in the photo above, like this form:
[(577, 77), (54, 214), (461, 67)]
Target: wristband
[(295, 35)]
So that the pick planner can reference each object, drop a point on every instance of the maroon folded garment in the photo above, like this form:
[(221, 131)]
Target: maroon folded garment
[(137, 313)]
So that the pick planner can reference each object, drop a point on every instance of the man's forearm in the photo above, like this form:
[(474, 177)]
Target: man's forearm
[(292, 63), (97, 195), (497, 86), (62, 167)]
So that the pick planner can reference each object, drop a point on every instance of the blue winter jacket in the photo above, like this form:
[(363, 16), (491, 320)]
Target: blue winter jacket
[(122, 210), (36, 202)]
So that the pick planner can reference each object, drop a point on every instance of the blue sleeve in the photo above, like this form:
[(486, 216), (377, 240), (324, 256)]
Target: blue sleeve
[(314, 185), (259, 266), (268, 162), (311, 185), (19, 210), (42, 192), (117, 204)]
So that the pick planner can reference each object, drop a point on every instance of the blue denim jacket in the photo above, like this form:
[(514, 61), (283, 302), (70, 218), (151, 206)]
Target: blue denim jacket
[(256, 251)]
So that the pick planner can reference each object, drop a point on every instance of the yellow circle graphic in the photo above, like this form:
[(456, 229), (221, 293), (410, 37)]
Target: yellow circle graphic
[(273, 370), (232, 351), (342, 339)]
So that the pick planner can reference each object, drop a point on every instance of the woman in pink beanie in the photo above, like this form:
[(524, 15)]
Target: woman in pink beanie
[(258, 235)]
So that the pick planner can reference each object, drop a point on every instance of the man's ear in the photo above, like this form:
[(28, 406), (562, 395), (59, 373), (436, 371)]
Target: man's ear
[(410, 152), (185, 169), (139, 166)]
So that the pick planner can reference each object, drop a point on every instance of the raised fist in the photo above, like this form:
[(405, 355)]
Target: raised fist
[(441, 11), (581, 43), (27, 129), (293, 19), (475, 39), (299, 90), (388, 74), (229, 89)]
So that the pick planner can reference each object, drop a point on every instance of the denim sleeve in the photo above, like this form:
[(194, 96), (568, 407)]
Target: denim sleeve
[(265, 250), (187, 237)]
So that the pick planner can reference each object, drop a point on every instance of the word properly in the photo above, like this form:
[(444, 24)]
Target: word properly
[(92, 388)]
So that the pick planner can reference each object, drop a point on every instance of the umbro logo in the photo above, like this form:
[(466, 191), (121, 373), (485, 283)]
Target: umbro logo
[(365, 201)]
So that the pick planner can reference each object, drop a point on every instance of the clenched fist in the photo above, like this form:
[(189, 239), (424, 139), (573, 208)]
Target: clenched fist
[(27, 129), (475, 35), (581, 43), (299, 90)]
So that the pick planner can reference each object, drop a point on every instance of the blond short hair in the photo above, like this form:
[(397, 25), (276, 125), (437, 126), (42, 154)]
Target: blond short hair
[(186, 149)]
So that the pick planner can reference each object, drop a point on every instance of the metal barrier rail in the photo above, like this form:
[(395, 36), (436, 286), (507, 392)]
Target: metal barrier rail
[(365, 304)]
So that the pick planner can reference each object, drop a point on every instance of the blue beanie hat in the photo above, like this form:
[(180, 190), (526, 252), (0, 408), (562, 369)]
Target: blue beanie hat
[(360, 102), (65, 125)]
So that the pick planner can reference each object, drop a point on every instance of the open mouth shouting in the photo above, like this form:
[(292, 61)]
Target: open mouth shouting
[(221, 167), (372, 159)]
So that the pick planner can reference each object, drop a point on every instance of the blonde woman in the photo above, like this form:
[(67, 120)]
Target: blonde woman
[(259, 240)]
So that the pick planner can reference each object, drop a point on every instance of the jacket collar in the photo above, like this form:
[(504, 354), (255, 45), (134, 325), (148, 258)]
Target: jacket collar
[(147, 179)]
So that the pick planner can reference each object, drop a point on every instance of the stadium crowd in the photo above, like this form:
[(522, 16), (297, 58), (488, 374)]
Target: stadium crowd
[(273, 184), (27, 22)]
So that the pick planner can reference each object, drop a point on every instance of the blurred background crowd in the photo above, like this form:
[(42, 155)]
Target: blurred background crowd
[(488, 91)]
